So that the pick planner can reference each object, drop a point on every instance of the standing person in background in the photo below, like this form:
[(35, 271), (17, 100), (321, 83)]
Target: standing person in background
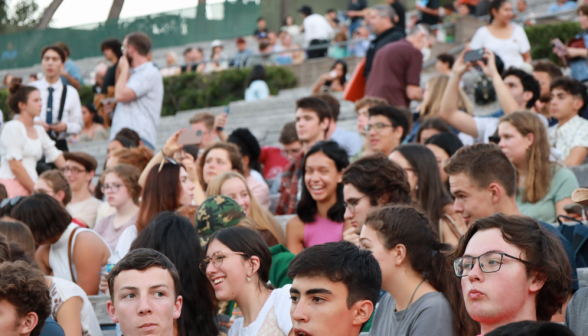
[(61, 112), (258, 89), (79, 170), (428, 11), (400, 21), (112, 52), (290, 27), (349, 141), (70, 75), (139, 92), (355, 14), (504, 38), (22, 143), (397, 68), (577, 56), (381, 18), (317, 31), (562, 6), (261, 28)]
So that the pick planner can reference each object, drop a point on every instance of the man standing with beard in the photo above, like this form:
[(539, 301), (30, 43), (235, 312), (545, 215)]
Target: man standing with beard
[(138, 90)]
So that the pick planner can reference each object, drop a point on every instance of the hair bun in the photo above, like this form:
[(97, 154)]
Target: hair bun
[(15, 85)]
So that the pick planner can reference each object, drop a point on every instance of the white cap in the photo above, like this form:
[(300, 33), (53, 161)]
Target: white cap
[(216, 43)]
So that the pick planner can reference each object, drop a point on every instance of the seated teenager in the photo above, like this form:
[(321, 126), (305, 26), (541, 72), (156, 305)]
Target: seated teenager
[(319, 214), (443, 146), (349, 141), (164, 234), (570, 135), (512, 269), (53, 183), (237, 263), (121, 189), (386, 129), (516, 90), (362, 107), (66, 250), (234, 185), (145, 295), (431, 127), (218, 158), (427, 190), (79, 170), (24, 300), (335, 289), (544, 187), (370, 183), (421, 293), (545, 72)]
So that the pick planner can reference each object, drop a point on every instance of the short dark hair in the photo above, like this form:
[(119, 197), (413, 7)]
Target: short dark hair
[(446, 58), (532, 328), (187, 50), (261, 18), (396, 116), (112, 44), (248, 146), (435, 123), (331, 10), (548, 67), (288, 134), (380, 179), (142, 259), (342, 262), (24, 287), (130, 135), (529, 83), (55, 48), (571, 86), (43, 215), (543, 252), (333, 103), (315, 105), (63, 47), (140, 41), (484, 164)]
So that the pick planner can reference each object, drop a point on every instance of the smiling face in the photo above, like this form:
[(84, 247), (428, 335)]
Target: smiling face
[(115, 191), (513, 144), (504, 13), (230, 279), (321, 177), (471, 202), (77, 176), (236, 189), (359, 202), (217, 161), (187, 194), (385, 139), (492, 298), (441, 156)]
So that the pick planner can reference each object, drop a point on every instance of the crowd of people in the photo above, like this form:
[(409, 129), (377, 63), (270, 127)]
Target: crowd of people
[(419, 222)]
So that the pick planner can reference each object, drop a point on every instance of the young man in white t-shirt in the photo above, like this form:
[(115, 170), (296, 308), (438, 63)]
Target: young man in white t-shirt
[(516, 91), (79, 170), (335, 289)]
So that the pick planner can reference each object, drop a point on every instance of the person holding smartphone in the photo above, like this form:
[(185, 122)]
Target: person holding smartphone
[(575, 52)]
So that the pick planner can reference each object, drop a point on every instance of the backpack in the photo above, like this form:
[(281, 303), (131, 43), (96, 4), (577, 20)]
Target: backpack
[(484, 92)]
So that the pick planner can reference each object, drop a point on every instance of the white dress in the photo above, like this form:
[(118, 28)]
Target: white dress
[(61, 291), (273, 319), (510, 50), (127, 237)]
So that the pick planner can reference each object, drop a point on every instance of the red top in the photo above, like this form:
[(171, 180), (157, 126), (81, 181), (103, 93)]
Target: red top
[(273, 162), (77, 222)]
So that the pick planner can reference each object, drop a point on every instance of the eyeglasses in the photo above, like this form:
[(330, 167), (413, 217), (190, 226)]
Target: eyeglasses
[(217, 259), (290, 152), (113, 187), (73, 170), (377, 126), (352, 204), (11, 201), (490, 262), (168, 159)]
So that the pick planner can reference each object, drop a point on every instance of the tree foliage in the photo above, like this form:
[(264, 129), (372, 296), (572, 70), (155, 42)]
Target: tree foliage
[(23, 16)]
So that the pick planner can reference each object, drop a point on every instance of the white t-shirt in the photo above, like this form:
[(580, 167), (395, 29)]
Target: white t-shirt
[(316, 27), (510, 50), (127, 237), (273, 319), (488, 126)]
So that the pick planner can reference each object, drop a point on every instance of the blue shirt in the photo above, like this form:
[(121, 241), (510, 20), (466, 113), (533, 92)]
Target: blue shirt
[(51, 328), (568, 5), (257, 90), (569, 251), (73, 70), (349, 141)]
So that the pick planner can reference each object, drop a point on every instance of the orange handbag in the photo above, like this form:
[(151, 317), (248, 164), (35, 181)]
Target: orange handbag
[(355, 89)]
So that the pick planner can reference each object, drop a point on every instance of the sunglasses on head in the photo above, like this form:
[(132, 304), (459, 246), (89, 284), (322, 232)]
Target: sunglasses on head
[(11, 201)]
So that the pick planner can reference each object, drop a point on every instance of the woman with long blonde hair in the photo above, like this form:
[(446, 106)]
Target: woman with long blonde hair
[(234, 185), (544, 187)]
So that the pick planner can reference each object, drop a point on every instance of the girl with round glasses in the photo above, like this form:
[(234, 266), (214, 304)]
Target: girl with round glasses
[(120, 185), (237, 263), (422, 294)]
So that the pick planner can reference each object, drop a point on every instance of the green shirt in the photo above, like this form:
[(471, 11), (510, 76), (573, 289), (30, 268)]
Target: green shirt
[(562, 186)]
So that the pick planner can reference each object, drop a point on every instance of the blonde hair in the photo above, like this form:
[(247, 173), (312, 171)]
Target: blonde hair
[(260, 216), (432, 103), (541, 170)]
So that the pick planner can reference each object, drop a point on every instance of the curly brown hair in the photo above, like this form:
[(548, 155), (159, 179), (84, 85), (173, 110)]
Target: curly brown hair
[(543, 252), (129, 175), (24, 287), (234, 156)]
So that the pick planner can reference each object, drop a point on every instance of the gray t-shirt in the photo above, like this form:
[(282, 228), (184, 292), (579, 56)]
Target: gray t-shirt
[(429, 315), (576, 318)]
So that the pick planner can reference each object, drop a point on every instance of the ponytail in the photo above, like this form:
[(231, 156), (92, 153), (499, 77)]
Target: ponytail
[(400, 224), (18, 93)]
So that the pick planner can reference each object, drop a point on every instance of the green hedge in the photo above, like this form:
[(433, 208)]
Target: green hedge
[(191, 91), (540, 38)]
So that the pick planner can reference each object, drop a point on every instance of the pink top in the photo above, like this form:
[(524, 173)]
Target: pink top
[(322, 231)]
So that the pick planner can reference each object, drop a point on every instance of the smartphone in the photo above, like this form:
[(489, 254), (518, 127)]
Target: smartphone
[(574, 209), (474, 56), (190, 137), (333, 74), (110, 100), (559, 47), (227, 111)]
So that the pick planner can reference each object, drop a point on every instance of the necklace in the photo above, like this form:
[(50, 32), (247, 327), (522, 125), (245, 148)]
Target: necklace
[(407, 306)]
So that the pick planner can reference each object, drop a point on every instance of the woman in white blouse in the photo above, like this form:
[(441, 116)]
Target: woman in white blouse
[(22, 143), (507, 40)]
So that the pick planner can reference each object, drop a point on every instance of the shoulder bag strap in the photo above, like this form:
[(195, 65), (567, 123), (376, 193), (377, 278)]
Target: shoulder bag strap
[(69, 259), (62, 102)]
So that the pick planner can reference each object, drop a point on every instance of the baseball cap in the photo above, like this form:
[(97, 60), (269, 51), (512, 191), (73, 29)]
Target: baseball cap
[(216, 43), (240, 40)]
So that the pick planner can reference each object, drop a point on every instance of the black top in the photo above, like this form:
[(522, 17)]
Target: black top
[(389, 36), (192, 67), (358, 5), (428, 18), (401, 24), (257, 31), (109, 78)]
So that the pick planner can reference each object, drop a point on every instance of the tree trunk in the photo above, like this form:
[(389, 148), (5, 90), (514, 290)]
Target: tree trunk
[(115, 9), (48, 14), (284, 10), (202, 2)]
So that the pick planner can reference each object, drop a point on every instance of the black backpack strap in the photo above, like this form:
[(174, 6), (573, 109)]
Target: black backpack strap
[(62, 102)]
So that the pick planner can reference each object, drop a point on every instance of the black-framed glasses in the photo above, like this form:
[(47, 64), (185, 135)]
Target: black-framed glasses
[(73, 170), (113, 187), (216, 259), (12, 201), (490, 262), (168, 159), (377, 126), (351, 205)]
